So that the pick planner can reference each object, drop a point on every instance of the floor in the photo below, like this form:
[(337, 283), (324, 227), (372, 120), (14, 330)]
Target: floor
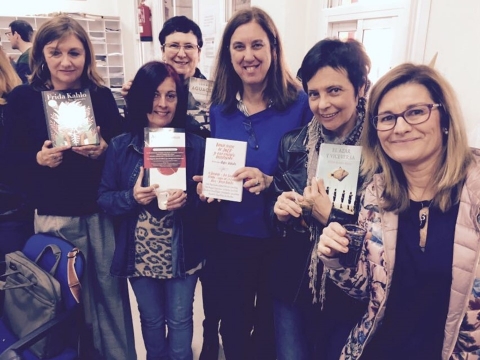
[(197, 326)]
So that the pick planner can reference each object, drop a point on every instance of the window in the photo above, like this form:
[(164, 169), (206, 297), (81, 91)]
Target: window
[(392, 31)]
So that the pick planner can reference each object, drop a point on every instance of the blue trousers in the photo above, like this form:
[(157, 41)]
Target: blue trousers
[(166, 303)]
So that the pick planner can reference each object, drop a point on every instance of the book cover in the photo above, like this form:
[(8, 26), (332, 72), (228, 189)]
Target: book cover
[(70, 118), (222, 159), (199, 95), (164, 158), (338, 166)]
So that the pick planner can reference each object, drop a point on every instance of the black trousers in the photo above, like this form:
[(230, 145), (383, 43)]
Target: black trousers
[(239, 269)]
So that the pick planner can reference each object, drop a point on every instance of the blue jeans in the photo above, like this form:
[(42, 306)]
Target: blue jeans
[(166, 302), (295, 330)]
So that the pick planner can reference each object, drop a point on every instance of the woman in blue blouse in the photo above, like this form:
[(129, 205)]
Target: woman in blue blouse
[(255, 99)]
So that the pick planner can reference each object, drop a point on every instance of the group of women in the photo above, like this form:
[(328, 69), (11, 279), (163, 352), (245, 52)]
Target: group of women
[(270, 270)]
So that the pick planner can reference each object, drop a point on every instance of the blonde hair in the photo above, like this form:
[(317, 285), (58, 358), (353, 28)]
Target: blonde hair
[(57, 28), (8, 77), (456, 156)]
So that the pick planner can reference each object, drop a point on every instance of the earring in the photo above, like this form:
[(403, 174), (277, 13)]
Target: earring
[(445, 130), (42, 67)]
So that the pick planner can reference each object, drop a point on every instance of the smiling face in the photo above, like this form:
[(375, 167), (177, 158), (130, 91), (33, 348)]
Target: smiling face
[(164, 104), (251, 53), (65, 60), (410, 145), (332, 99), (184, 62)]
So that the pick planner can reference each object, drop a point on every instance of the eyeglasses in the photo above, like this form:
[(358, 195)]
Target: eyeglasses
[(416, 115), (252, 139), (8, 33), (174, 47)]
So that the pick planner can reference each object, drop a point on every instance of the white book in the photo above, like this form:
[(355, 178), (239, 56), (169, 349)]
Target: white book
[(164, 158), (338, 166), (222, 159)]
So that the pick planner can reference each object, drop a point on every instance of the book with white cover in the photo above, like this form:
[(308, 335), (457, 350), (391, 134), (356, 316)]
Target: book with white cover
[(338, 166), (222, 159), (164, 158)]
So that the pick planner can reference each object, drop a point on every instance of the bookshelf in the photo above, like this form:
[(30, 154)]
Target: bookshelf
[(106, 37)]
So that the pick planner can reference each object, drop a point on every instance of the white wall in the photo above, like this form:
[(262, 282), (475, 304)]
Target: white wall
[(291, 19), (454, 33), (37, 7)]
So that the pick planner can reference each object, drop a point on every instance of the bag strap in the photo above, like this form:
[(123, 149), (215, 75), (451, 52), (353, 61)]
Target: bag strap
[(73, 281), (3, 284), (56, 252)]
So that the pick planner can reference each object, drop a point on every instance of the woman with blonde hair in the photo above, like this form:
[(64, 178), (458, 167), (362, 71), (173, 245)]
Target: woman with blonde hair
[(16, 219), (62, 182), (255, 99), (419, 265)]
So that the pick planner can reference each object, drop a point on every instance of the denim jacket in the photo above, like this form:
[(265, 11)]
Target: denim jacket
[(124, 157)]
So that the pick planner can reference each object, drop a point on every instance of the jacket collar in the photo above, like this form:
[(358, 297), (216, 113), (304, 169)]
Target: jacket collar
[(298, 142)]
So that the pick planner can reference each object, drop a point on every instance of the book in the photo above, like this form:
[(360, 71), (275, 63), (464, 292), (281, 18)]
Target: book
[(199, 95), (339, 165), (70, 117), (164, 158), (222, 159)]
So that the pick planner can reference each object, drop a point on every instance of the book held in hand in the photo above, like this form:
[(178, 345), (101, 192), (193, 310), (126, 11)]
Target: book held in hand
[(222, 159), (338, 166), (199, 94), (70, 118), (164, 158)]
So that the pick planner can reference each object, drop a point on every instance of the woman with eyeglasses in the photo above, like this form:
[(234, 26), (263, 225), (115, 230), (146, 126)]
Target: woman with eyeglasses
[(257, 100), (419, 265), (335, 77), (181, 44)]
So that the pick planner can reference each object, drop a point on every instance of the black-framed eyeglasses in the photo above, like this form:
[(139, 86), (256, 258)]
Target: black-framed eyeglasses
[(252, 138), (415, 115), (175, 47)]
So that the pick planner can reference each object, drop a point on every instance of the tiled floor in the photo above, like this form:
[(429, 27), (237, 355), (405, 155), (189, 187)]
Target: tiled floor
[(197, 326)]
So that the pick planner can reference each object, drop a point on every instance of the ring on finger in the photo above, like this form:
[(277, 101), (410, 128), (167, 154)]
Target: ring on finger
[(258, 183)]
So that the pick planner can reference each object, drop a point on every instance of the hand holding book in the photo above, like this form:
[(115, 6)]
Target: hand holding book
[(143, 195), (316, 194), (50, 156), (92, 151)]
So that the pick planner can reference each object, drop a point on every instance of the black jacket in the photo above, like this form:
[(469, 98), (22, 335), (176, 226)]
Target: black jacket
[(290, 270)]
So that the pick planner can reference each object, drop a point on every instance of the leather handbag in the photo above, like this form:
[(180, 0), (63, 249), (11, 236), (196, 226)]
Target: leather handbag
[(32, 298)]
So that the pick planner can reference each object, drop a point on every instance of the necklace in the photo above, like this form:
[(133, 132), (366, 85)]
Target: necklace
[(423, 217)]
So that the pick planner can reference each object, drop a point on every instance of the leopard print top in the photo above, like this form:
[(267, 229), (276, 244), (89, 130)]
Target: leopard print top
[(153, 246)]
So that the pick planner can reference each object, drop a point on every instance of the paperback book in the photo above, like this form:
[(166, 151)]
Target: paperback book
[(222, 159), (70, 118), (199, 95), (339, 166), (164, 158)]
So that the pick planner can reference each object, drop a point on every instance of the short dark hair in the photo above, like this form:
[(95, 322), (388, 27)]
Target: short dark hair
[(23, 28), (180, 24), (349, 55), (140, 96)]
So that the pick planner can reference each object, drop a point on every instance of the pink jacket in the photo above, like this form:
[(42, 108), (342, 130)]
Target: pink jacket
[(372, 279)]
